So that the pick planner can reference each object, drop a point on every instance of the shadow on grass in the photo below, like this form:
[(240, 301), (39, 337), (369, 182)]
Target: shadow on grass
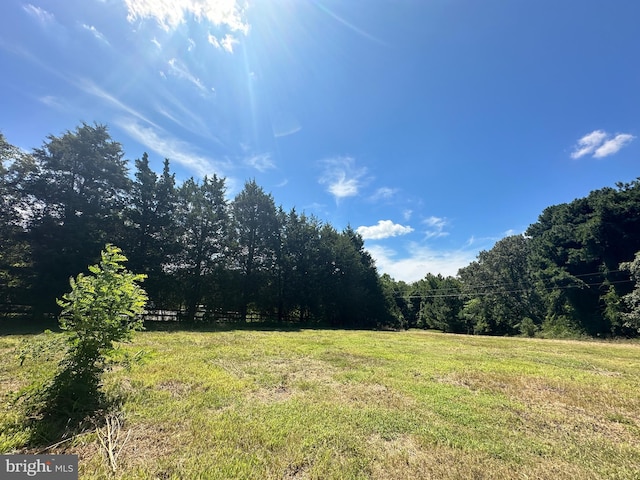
[(26, 326), (71, 403), (184, 326)]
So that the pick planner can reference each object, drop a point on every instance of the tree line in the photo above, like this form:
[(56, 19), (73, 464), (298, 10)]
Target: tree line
[(574, 271), (202, 254)]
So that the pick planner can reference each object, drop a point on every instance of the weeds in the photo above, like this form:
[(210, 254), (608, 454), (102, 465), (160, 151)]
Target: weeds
[(111, 439)]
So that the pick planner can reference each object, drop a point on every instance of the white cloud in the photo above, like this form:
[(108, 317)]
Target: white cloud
[(96, 33), (407, 214), (283, 123), (156, 43), (435, 227), (420, 260), (286, 133), (155, 138), (510, 232), (173, 108), (40, 14), (91, 88), (599, 144), (163, 144), (261, 162), (227, 42), (180, 70), (213, 40), (588, 143), (351, 26), (383, 229), (51, 101), (384, 193), (342, 177), (613, 145), (171, 13)]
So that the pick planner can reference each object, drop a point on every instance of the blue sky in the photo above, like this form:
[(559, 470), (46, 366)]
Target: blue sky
[(434, 127)]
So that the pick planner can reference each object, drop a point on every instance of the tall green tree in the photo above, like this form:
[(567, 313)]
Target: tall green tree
[(15, 254), (441, 305), (576, 250), (395, 298), (203, 224), (255, 235), (152, 228), (300, 265), (351, 291), (79, 191)]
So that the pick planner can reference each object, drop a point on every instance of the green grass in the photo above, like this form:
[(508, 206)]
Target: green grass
[(317, 404)]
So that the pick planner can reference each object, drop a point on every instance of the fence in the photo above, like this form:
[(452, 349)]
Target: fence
[(207, 316)]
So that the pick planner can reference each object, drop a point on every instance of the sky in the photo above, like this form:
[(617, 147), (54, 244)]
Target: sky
[(433, 127)]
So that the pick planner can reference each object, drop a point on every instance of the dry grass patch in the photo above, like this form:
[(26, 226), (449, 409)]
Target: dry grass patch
[(407, 457)]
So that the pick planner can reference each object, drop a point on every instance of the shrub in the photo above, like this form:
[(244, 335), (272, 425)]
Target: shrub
[(100, 309)]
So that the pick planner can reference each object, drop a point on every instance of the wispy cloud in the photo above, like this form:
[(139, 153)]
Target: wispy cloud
[(384, 193), (588, 143), (91, 88), (164, 144), (342, 177), (51, 101), (154, 137), (286, 133), (180, 70), (172, 107), (44, 17), (349, 25), (435, 227), (599, 144), (170, 14), (226, 43), (383, 229), (283, 123), (418, 260), (96, 33), (261, 162), (613, 145)]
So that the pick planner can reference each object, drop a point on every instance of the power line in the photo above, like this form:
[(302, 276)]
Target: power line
[(502, 292), (506, 284)]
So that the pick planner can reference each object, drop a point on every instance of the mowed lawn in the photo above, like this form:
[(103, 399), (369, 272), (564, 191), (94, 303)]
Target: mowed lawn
[(331, 404)]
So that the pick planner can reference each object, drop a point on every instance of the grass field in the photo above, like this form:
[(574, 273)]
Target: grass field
[(325, 404)]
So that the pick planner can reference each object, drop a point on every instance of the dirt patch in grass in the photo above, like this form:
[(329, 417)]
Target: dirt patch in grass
[(147, 443), (176, 388), (279, 393), (278, 379), (372, 395), (295, 472)]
